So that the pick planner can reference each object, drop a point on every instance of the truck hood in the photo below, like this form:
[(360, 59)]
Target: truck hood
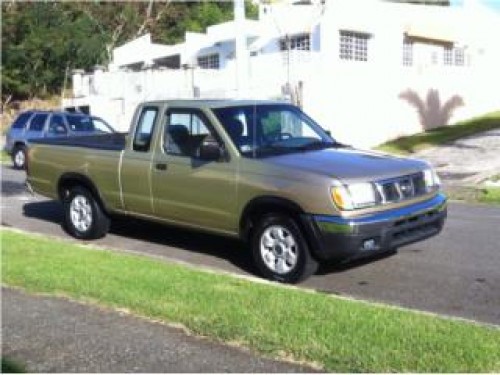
[(348, 165)]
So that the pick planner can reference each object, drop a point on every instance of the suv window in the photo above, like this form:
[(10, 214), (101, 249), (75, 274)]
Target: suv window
[(101, 126), (21, 120), (185, 131), (144, 129), (80, 123), (56, 125), (38, 121)]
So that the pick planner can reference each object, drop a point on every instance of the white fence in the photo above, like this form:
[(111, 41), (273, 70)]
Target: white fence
[(361, 103)]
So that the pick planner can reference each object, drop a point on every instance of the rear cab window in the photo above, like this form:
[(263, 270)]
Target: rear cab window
[(144, 129), (21, 120)]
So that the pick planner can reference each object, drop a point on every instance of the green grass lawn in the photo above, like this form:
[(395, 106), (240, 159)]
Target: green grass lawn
[(5, 158), (442, 135), (471, 194), (338, 334), (489, 195)]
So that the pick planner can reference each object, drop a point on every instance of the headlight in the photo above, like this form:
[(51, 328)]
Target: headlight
[(354, 196), (431, 179)]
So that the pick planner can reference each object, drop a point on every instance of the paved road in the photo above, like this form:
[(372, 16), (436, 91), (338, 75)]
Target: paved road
[(456, 273), (50, 334)]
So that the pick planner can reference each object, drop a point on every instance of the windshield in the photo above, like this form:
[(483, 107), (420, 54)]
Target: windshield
[(264, 130), (82, 123)]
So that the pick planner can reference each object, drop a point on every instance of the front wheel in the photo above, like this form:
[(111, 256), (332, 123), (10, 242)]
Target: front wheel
[(84, 217), (280, 250)]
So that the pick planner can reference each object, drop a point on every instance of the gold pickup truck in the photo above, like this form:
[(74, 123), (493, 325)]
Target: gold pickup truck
[(258, 170)]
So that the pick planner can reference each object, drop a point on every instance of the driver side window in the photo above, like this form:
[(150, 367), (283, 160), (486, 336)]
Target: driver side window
[(186, 130)]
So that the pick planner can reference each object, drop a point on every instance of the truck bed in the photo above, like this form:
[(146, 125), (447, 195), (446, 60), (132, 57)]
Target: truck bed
[(111, 142)]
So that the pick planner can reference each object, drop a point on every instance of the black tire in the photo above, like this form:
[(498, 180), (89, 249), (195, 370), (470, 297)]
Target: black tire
[(291, 271), (80, 204), (19, 157)]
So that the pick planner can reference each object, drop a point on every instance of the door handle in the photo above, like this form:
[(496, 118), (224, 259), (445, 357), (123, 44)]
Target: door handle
[(161, 166)]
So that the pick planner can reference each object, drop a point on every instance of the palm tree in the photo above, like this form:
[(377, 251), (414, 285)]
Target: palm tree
[(432, 114)]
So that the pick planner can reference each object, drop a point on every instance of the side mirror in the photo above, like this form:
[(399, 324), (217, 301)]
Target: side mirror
[(210, 151)]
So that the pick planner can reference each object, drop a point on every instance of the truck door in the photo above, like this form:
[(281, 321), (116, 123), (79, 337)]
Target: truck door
[(185, 188), (135, 173)]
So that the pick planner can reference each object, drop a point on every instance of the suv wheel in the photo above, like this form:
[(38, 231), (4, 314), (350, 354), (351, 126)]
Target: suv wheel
[(19, 157), (84, 217), (280, 250)]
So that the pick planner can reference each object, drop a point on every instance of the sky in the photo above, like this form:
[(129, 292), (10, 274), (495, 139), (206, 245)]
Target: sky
[(493, 4)]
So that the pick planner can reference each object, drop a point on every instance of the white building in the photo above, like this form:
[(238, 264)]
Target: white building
[(359, 67)]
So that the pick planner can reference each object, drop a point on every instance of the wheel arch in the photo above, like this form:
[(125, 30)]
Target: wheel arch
[(69, 180), (259, 206)]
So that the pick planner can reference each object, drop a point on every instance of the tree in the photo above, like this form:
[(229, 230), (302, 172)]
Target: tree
[(43, 40)]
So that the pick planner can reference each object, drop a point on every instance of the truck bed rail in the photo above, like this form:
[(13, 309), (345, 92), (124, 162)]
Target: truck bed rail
[(112, 142)]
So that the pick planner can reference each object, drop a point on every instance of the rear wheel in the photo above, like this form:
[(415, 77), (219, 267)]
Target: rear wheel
[(84, 217), (19, 157), (280, 250)]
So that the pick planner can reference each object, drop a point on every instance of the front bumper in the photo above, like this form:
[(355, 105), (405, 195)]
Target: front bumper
[(338, 238)]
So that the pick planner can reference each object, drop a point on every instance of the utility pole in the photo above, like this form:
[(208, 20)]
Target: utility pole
[(241, 48)]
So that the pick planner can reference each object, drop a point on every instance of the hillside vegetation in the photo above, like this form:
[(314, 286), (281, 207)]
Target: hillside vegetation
[(43, 41)]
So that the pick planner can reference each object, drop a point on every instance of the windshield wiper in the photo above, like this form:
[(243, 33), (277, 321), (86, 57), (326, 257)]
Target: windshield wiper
[(319, 145), (339, 145), (274, 149)]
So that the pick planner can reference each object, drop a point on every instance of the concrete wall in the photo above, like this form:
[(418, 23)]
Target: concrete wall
[(365, 107)]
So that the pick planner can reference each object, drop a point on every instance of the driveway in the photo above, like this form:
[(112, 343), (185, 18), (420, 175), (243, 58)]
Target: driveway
[(467, 161), (455, 273)]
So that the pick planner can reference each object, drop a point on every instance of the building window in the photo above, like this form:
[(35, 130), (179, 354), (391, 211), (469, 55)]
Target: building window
[(354, 46), (434, 57), (454, 56), (407, 52), (209, 61), (296, 42), (459, 56), (448, 56)]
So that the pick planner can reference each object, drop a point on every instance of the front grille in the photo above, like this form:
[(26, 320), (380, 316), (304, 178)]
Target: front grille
[(419, 231), (415, 227), (401, 188)]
